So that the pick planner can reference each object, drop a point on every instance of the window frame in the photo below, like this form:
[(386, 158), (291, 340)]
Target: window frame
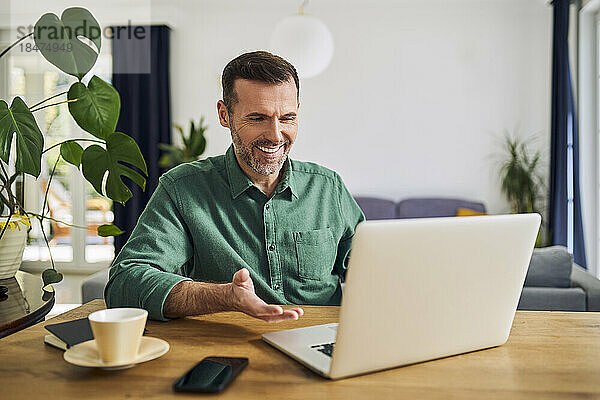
[(587, 109)]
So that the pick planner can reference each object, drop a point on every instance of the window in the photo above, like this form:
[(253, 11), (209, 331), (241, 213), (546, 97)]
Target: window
[(588, 103), (71, 198)]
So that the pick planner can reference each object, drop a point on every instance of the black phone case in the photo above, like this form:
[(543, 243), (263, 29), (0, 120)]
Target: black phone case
[(237, 364)]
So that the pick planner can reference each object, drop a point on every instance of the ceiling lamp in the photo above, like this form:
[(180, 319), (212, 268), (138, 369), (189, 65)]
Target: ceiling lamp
[(304, 41)]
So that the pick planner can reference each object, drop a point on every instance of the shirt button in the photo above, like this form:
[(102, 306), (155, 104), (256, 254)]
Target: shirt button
[(276, 286), (272, 247), (267, 206)]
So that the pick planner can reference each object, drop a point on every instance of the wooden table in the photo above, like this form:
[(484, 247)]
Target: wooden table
[(25, 304), (551, 355)]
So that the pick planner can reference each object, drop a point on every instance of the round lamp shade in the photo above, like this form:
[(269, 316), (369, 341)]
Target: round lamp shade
[(304, 41)]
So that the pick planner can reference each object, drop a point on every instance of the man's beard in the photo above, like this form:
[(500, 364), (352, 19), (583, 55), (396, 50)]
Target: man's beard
[(259, 165)]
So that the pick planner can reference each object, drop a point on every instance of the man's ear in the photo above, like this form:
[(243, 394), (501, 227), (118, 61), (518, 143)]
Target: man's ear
[(223, 114)]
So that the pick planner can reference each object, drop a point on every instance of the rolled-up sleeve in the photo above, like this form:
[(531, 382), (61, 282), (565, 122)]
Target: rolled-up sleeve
[(144, 272)]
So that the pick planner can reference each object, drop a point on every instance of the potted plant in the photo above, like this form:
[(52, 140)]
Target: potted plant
[(192, 147), (95, 107), (521, 182)]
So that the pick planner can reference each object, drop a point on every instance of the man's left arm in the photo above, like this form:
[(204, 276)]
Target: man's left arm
[(351, 215)]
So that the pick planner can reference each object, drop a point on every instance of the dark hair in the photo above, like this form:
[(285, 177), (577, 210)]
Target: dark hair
[(259, 66)]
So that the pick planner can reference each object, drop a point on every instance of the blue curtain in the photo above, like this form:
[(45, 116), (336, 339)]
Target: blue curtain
[(565, 218), (141, 75)]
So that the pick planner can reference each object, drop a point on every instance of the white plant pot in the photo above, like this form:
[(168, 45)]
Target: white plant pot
[(12, 245)]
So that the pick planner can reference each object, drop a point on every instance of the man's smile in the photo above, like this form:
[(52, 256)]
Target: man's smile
[(271, 151)]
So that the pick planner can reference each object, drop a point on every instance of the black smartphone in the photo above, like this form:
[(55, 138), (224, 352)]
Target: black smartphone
[(211, 375)]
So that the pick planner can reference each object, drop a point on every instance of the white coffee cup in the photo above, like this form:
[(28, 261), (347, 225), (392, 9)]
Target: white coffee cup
[(118, 333)]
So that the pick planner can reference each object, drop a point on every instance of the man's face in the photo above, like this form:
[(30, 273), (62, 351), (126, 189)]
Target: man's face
[(263, 125)]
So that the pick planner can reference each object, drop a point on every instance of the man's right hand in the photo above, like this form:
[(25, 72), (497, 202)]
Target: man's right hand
[(197, 298), (245, 300)]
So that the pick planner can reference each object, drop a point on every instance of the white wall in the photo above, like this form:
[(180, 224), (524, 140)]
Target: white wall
[(415, 99)]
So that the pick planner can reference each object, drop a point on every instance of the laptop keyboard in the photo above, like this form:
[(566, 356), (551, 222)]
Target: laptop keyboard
[(325, 348)]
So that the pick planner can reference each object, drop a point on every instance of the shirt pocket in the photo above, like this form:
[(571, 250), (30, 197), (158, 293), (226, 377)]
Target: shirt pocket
[(315, 253)]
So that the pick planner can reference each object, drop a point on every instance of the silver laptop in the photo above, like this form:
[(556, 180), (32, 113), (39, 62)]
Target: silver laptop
[(420, 289)]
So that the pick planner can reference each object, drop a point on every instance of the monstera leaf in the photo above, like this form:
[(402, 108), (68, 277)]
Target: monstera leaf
[(106, 230), (97, 107), (20, 121), (71, 152), (120, 149), (58, 40)]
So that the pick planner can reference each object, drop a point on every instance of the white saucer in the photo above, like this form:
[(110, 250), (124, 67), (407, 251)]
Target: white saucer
[(86, 354)]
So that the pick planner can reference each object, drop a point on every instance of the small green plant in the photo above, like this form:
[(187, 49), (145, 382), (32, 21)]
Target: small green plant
[(94, 106), (193, 145), (521, 182)]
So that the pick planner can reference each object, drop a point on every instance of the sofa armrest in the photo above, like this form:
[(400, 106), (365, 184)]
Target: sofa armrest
[(93, 287), (581, 278)]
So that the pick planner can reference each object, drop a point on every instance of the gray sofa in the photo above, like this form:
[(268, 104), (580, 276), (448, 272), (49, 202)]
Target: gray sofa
[(93, 286), (375, 208), (553, 281)]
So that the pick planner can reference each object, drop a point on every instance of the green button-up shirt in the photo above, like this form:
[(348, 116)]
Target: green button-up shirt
[(206, 220)]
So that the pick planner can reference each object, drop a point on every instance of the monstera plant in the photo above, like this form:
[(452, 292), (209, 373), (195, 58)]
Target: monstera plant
[(71, 43)]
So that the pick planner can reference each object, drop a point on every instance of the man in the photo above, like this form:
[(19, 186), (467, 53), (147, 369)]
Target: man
[(275, 229)]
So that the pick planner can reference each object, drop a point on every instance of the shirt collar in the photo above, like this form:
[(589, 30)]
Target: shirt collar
[(239, 181), (287, 179)]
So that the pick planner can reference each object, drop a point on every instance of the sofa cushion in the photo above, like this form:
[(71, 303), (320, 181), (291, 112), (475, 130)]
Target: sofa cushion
[(467, 212), (552, 299), (374, 208), (435, 207), (550, 267)]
